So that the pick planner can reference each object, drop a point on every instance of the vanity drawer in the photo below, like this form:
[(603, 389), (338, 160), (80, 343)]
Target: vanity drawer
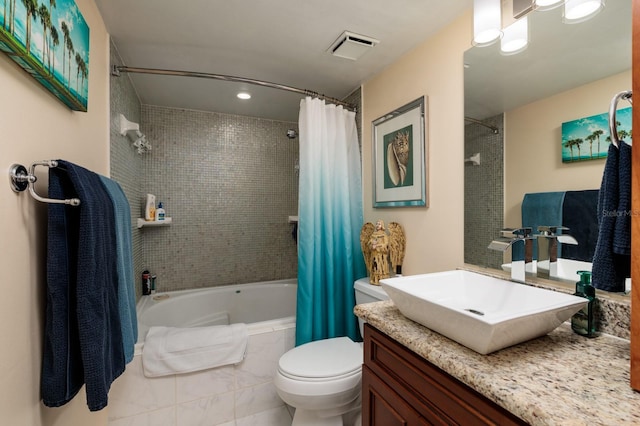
[(436, 395)]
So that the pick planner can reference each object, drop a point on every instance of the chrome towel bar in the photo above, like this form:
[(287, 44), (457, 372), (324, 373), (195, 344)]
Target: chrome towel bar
[(21, 180), (613, 107)]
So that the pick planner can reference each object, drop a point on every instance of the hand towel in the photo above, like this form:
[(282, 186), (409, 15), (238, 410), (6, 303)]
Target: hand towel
[(580, 215), (539, 209), (126, 282), (611, 260), (170, 350), (82, 292), (622, 230)]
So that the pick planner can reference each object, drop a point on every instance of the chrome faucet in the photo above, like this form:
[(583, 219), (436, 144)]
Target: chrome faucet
[(548, 239), (521, 264)]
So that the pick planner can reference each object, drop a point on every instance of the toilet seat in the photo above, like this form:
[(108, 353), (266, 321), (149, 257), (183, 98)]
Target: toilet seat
[(322, 360)]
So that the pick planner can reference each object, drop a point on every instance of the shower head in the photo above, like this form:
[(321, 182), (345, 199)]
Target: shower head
[(291, 134)]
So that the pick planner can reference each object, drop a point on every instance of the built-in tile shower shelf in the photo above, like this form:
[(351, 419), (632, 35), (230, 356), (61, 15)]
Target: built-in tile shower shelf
[(293, 219), (145, 223)]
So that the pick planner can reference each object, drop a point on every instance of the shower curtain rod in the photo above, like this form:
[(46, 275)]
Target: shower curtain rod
[(117, 69), (495, 130)]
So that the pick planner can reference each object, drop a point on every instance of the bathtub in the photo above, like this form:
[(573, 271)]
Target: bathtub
[(259, 305), (221, 394)]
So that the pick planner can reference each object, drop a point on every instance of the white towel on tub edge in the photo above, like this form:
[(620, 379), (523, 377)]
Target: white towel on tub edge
[(172, 350)]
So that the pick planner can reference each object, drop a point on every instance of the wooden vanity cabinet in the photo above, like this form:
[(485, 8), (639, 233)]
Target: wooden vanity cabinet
[(402, 388)]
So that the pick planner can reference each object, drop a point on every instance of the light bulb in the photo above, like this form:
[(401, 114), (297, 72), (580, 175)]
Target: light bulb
[(516, 37), (576, 11), (487, 21)]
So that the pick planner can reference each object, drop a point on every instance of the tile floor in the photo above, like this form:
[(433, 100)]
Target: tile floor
[(238, 395)]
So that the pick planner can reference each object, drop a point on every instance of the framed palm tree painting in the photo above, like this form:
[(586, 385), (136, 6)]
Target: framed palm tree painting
[(588, 138), (50, 41)]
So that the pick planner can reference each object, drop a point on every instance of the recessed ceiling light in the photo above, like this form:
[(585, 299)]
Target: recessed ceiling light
[(244, 95)]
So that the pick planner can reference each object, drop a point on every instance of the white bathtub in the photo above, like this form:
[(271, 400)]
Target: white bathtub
[(221, 394), (261, 305)]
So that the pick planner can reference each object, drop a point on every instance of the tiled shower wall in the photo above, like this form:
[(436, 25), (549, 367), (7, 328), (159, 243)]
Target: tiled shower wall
[(483, 192), (229, 183), (126, 165)]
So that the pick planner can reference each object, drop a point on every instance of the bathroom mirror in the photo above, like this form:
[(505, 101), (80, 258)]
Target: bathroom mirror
[(560, 57)]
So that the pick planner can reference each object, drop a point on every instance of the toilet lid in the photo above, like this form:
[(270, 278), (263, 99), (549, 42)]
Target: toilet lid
[(323, 358)]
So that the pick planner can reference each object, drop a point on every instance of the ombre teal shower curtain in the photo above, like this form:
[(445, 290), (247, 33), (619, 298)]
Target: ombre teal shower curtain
[(330, 218)]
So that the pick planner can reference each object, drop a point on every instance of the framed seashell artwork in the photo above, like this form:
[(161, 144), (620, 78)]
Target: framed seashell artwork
[(399, 156)]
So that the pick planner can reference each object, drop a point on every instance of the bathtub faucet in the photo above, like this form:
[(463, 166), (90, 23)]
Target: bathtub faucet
[(521, 262), (548, 239)]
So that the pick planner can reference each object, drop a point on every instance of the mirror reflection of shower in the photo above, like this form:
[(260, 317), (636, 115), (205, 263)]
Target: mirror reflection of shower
[(292, 134)]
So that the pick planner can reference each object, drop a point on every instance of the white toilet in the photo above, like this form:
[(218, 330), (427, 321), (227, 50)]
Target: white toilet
[(321, 379)]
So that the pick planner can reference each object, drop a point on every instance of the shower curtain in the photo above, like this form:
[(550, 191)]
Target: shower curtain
[(330, 218)]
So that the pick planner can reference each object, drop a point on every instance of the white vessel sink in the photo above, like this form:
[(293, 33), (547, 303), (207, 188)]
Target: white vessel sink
[(480, 312)]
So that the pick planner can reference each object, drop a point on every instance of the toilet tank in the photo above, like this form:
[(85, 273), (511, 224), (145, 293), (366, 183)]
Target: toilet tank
[(367, 293)]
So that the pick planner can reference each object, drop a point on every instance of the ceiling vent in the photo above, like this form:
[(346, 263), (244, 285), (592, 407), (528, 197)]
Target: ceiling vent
[(352, 46)]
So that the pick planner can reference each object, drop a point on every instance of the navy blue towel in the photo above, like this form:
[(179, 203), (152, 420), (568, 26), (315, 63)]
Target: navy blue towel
[(612, 260), (580, 215), (622, 231), (83, 337)]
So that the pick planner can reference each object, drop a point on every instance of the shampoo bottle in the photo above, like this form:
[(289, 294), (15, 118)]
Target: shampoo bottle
[(150, 208), (146, 283), (584, 322), (160, 214)]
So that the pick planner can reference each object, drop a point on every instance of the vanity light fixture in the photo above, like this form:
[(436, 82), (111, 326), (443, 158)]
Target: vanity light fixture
[(244, 95), (516, 37), (487, 22), (547, 4), (576, 11)]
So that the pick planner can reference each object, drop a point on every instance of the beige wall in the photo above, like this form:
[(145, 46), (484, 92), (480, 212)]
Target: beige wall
[(533, 133), (434, 69), (36, 126)]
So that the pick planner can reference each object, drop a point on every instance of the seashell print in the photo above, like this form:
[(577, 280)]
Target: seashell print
[(401, 147), (398, 158), (393, 166)]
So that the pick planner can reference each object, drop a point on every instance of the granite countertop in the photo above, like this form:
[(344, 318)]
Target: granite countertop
[(558, 379)]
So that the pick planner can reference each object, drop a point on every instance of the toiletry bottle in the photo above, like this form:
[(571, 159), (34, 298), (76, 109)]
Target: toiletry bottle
[(150, 208), (146, 283), (153, 284), (160, 215), (583, 322)]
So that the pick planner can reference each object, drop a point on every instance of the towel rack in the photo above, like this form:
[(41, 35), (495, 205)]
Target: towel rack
[(21, 180), (613, 131)]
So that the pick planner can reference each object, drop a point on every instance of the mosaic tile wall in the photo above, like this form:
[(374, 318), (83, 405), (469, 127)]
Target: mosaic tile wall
[(229, 184), (483, 192), (126, 165)]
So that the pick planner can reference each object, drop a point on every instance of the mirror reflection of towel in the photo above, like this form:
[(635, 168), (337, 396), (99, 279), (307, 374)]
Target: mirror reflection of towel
[(612, 260), (580, 215), (539, 208)]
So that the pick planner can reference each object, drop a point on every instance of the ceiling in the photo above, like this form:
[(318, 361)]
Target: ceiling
[(279, 41)]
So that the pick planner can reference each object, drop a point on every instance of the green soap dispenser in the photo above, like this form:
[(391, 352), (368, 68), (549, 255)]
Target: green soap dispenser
[(583, 322)]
